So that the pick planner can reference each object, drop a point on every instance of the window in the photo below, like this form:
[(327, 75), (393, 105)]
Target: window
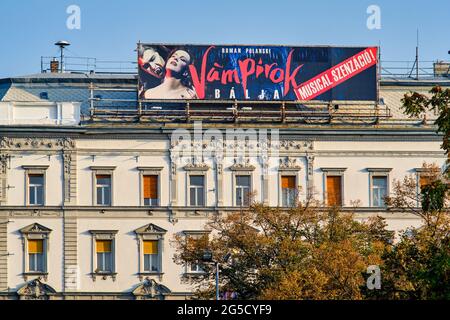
[(424, 180), (151, 259), (196, 190), (103, 187), (379, 190), (104, 255), (196, 236), (288, 191), (242, 190), (36, 246), (334, 192), (151, 245), (151, 190), (36, 255), (196, 268), (43, 95), (36, 189)]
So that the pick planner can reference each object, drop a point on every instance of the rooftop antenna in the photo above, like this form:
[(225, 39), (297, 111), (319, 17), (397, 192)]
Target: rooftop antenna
[(62, 44), (417, 55)]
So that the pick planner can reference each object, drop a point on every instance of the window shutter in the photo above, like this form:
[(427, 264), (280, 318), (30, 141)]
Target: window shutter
[(288, 182), (334, 190), (151, 187), (35, 246), (103, 176), (151, 247), (103, 246)]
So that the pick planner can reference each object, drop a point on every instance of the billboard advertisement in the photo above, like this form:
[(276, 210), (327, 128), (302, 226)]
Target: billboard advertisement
[(249, 72)]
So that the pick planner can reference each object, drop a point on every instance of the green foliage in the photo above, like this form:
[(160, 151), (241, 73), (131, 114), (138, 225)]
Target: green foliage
[(433, 196), (415, 104)]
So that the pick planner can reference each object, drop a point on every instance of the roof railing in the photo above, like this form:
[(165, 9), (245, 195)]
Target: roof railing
[(389, 69)]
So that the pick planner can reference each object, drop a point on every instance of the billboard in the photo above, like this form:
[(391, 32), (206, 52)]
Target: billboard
[(249, 72)]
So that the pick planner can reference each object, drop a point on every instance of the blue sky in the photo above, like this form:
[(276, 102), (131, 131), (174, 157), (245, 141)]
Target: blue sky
[(110, 29)]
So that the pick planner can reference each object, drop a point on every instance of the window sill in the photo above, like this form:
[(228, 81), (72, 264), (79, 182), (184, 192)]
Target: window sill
[(194, 274), (33, 274), (104, 275), (143, 275)]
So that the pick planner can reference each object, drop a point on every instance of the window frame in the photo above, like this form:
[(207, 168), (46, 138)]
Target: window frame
[(188, 189), (35, 231), (250, 187), (102, 170), (187, 266), (333, 172), (150, 232), (295, 172), (149, 171), (240, 171), (378, 172), (103, 235), (35, 170)]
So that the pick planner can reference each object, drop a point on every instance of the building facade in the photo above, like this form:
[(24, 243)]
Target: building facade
[(90, 200)]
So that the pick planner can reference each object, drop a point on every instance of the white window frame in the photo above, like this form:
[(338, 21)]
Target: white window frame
[(250, 188), (333, 172), (244, 171), (150, 232), (188, 189), (102, 170), (288, 173), (39, 170), (149, 171), (378, 172), (103, 235), (35, 232)]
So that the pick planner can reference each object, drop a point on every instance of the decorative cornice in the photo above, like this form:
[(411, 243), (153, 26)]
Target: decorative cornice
[(35, 167), (242, 164), (379, 169), (328, 169), (37, 143), (35, 228), (150, 168), (105, 168), (150, 229), (289, 163), (150, 289), (196, 164), (35, 290)]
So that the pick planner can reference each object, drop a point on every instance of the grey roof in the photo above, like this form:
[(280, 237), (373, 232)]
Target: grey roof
[(71, 77), (74, 87)]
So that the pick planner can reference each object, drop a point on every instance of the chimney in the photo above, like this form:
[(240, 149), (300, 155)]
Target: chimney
[(441, 69), (54, 66)]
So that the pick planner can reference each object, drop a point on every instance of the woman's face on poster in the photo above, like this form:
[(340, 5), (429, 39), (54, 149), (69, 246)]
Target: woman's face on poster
[(153, 62), (178, 61)]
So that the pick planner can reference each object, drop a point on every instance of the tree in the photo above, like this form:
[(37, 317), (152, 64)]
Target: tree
[(418, 266), (298, 253), (416, 104)]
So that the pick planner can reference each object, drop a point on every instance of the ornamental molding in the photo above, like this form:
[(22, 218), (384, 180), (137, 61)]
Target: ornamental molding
[(150, 229), (289, 163), (150, 289), (196, 163), (242, 164), (292, 145), (37, 143), (35, 290), (35, 228), (239, 145)]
